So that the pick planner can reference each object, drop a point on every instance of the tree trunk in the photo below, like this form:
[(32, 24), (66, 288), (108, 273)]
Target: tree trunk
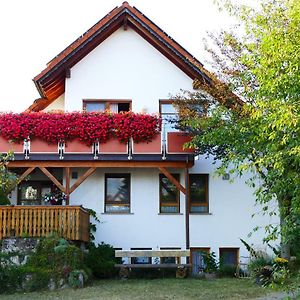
[(284, 213)]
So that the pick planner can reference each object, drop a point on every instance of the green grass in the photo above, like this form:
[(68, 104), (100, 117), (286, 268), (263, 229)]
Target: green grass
[(154, 289)]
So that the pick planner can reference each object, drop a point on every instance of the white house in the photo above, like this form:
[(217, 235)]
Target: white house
[(160, 197)]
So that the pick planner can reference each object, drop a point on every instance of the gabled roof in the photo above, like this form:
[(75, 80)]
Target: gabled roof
[(51, 81)]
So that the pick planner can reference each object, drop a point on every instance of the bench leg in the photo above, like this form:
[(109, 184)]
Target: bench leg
[(181, 272), (124, 273)]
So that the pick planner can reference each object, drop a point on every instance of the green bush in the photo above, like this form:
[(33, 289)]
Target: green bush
[(101, 260), (227, 271), (3, 198)]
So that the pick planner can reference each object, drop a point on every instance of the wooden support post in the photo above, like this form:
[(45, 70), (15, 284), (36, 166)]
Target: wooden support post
[(187, 209), (21, 178), (68, 178), (173, 180), (80, 180), (53, 179)]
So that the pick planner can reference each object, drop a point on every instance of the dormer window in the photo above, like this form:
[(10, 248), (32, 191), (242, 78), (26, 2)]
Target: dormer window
[(115, 106)]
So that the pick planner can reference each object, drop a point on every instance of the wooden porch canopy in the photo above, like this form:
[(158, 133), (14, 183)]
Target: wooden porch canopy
[(92, 166)]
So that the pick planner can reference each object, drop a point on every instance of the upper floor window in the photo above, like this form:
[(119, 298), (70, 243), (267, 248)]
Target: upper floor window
[(169, 115), (117, 193), (198, 193), (169, 194), (115, 106)]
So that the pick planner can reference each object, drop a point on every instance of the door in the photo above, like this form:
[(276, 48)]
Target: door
[(197, 260)]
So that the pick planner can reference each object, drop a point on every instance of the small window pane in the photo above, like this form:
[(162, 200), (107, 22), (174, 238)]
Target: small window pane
[(169, 195), (229, 257), (199, 193), (95, 106), (168, 108), (117, 193)]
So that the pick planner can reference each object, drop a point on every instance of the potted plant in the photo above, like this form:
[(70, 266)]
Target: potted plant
[(55, 197), (211, 266)]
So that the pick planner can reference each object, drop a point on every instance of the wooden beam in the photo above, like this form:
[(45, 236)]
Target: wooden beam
[(25, 174), (125, 24), (100, 164), (21, 178), (81, 179), (53, 179), (68, 178), (173, 180)]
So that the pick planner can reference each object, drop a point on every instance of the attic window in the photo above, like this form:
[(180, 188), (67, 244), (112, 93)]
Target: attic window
[(115, 106)]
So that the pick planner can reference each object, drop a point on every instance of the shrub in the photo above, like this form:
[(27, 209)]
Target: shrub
[(227, 270), (3, 198), (101, 260)]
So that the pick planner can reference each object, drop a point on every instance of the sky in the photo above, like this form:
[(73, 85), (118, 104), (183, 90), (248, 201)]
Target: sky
[(34, 31)]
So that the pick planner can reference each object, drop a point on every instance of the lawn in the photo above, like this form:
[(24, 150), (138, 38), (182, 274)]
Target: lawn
[(154, 289)]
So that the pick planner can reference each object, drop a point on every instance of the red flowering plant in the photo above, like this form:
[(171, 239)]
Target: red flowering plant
[(94, 127), (55, 197), (139, 127), (88, 127)]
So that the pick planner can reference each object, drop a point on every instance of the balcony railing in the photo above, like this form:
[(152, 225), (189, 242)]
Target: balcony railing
[(70, 222), (164, 144)]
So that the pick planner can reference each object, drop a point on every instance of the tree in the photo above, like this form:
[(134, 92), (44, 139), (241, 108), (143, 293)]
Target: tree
[(8, 179), (262, 133)]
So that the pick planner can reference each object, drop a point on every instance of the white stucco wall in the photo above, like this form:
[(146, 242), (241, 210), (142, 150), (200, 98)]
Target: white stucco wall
[(57, 104), (125, 66)]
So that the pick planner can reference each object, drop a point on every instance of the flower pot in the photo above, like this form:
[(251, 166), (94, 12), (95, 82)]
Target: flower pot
[(153, 147), (176, 141), (113, 146), (6, 146), (77, 147)]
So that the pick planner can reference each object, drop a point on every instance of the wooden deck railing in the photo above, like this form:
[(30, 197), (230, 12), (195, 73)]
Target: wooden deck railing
[(70, 222)]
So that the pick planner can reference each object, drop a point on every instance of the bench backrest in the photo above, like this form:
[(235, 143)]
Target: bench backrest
[(152, 253)]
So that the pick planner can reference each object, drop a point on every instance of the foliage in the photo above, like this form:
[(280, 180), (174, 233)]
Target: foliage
[(7, 179), (3, 198), (55, 197), (261, 135), (88, 127), (227, 270), (210, 262), (101, 260)]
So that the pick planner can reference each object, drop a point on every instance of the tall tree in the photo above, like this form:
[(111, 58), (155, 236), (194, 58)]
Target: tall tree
[(262, 133)]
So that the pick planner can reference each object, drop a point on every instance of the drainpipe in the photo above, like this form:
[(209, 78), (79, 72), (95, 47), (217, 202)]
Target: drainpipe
[(187, 209)]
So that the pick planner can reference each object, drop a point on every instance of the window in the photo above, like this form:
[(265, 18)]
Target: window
[(229, 256), (198, 193), (169, 195), (117, 193), (170, 260), (32, 192), (102, 105), (169, 115), (141, 259)]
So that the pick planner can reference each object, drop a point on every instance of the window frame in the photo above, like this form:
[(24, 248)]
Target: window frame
[(206, 204), (177, 177), (163, 260), (228, 249), (39, 185), (167, 101), (117, 175), (107, 102)]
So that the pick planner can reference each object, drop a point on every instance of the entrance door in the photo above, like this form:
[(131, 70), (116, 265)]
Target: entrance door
[(197, 260)]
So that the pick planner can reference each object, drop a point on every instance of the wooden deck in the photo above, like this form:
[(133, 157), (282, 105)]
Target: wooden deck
[(70, 222)]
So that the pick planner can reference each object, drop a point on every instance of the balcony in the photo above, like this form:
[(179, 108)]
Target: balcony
[(173, 144), (70, 222), (90, 136)]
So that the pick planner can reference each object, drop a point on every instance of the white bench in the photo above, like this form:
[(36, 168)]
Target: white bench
[(177, 254)]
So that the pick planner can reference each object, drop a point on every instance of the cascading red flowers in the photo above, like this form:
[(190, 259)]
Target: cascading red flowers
[(85, 126)]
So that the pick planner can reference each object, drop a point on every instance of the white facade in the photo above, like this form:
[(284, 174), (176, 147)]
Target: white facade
[(125, 66)]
